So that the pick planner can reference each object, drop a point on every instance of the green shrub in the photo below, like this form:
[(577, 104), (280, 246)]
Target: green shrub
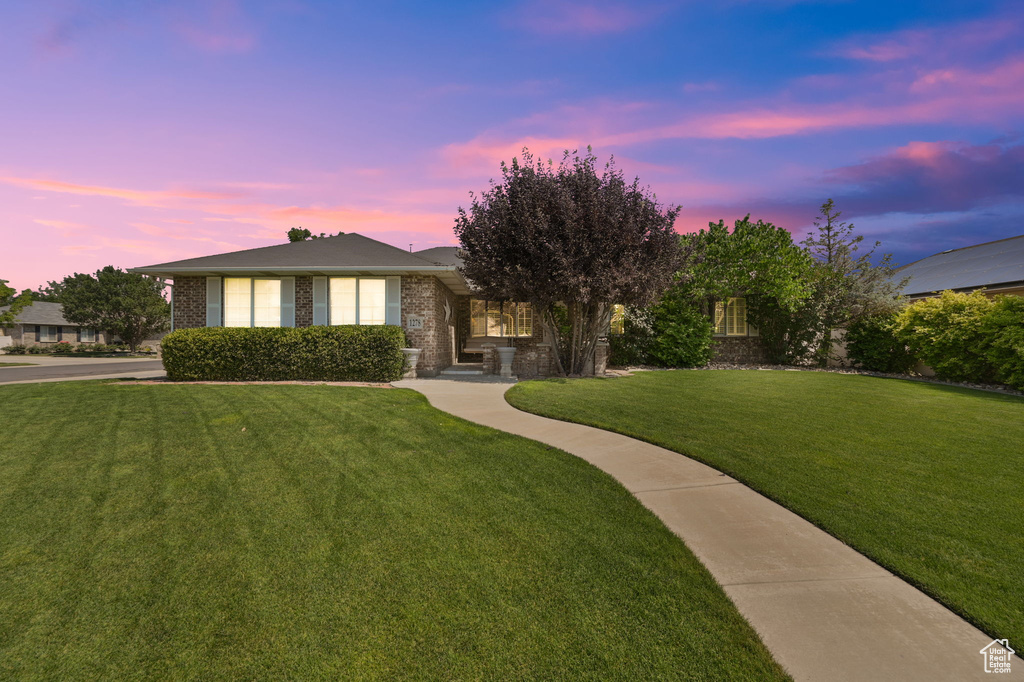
[(671, 333), (947, 333), (872, 344), (344, 353), (1004, 328), (16, 349), (64, 347), (40, 350)]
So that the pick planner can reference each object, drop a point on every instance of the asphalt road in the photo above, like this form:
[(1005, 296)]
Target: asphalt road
[(38, 372)]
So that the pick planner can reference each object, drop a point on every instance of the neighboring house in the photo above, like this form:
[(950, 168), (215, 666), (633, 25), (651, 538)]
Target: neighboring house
[(997, 267), (352, 279), (43, 323)]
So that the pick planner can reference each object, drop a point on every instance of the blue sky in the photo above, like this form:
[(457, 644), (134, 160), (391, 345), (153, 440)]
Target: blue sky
[(135, 133)]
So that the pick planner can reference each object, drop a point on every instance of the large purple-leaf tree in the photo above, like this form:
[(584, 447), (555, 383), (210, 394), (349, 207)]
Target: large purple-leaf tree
[(572, 242)]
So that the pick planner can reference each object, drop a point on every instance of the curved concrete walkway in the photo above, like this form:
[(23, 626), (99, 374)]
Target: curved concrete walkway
[(825, 611)]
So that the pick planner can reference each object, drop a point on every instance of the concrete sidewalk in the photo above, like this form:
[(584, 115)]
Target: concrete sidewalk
[(825, 611)]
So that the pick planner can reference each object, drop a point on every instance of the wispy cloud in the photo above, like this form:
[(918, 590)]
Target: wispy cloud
[(581, 18)]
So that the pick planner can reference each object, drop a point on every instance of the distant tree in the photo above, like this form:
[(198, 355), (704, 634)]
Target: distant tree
[(17, 303), (301, 234), (572, 242), (848, 284), (754, 259), (121, 303), (42, 293)]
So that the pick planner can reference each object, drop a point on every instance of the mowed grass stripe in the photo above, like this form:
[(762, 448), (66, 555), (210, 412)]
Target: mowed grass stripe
[(923, 478), (345, 533)]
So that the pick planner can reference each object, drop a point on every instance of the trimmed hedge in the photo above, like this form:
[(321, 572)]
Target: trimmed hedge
[(343, 353)]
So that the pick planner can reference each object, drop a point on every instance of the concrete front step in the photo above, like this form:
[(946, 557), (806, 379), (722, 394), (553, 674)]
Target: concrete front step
[(464, 369)]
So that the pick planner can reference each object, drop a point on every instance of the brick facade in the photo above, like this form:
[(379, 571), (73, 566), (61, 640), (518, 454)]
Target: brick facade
[(740, 350), (425, 297), (303, 301), (189, 302), (28, 335)]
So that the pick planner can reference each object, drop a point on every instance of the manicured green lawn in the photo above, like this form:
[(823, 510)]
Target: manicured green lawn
[(15, 364), (272, 532), (927, 480)]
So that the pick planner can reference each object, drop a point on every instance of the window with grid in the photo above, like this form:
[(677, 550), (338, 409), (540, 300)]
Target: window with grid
[(47, 334), (87, 335), (357, 300), (731, 317), (493, 318)]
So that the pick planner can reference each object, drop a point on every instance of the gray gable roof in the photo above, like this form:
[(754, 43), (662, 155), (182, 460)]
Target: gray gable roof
[(442, 255), (42, 312), (344, 251), (983, 265)]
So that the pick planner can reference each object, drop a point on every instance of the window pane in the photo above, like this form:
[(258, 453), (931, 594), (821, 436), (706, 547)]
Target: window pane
[(88, 335), (618, 321), (720, 326), (493, 318), (343, 300), (737, 317), (524, 319), (237, 302), (477, 318), (372, 296), (47, 333), (267, 303)]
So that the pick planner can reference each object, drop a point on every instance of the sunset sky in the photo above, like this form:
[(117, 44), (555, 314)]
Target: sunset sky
[(133, 133)]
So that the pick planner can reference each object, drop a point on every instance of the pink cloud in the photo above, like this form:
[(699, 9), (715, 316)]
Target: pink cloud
[(931, 43), (568, 17), (140, 197), (217, 26)]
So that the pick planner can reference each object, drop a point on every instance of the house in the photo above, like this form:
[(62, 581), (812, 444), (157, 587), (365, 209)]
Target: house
[(43, 323), (997, 267), (352, 279)]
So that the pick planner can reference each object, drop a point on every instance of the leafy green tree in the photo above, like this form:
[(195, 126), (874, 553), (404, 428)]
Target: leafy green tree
[(17, 303), (301, 234), (568, 235), (121, 303), (847, 283), (754, 259)]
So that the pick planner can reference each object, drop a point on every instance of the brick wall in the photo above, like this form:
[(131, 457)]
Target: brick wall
[(425, 297), (189, 302), (741, 350), (28, 335), (303, 301)]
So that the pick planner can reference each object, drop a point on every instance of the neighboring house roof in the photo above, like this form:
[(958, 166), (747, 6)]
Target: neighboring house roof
[(42, 312), (349, 253), (992, 265), (442, 255)]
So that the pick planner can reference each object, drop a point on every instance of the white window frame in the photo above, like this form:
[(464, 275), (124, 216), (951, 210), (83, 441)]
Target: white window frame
[(252, 300), (86, 335), (358, 302), (48, 333), (726, 320), (508, 314)]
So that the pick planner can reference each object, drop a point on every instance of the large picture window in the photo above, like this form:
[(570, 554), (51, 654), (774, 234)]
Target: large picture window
[(252, 302), (492, 318), (731, 317), (357, 300)]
